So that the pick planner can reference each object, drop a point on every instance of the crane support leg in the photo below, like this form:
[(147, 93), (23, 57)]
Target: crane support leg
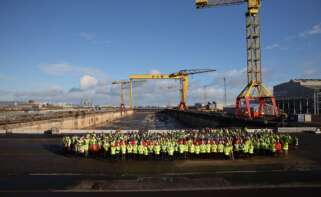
[(261, 105), (131, 94), (248, 106), (275, 107), (183, 93)]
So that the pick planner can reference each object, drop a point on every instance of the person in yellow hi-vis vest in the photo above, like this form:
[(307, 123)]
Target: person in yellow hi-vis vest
[(214, 149), (208, 149), (123, 149), (181, 149), (140, 151), (163, 149), (220, 149), (178, 144), (106, 147), (197, 150), (113, 151), (157, 149), (145, 152), (246, 147), (129, 150), (226, 150), (135, 149), (191, 151), (171, 150), (203, 149)]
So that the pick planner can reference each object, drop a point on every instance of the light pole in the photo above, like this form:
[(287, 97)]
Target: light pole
[(225, 97)]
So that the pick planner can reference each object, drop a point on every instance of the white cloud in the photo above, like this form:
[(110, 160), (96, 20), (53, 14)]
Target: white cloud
[(272, 46), (275, 46), (316, 29), (44, 94), (75, 90), (87, 36), (290, 38), (92, 38), (311, 72), (57, 69), (155, 72), (151, 92), (61, 69), (234, 77), (5, 77), (87, 82)]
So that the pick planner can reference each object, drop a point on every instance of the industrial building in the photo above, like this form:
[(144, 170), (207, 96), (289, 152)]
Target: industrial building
[(299, 96)]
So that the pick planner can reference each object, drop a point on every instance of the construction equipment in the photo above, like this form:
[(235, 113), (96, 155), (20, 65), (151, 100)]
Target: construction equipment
[(86, 102), (123, 84), (255, 91), (181, 75)]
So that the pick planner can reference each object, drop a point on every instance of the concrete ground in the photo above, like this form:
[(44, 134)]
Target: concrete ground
[(35, 164)]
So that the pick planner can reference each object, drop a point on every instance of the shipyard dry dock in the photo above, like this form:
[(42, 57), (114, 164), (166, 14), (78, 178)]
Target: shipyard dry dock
[(36, 164)]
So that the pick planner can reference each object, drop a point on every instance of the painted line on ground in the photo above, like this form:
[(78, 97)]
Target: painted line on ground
[(285, 186), (173, 174)]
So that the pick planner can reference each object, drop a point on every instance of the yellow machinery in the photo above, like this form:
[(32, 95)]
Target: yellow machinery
[(123, 84), (255, 91), (180, 75)]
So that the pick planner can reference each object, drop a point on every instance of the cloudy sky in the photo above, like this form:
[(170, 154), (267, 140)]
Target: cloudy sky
[(65, 51)]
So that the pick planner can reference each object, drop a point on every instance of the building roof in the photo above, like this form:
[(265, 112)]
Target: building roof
[(309, 83)]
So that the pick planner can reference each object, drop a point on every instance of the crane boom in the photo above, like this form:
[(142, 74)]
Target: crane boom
[(203, 3), (153, 76), (191, 72), (120, 82), (253, 5)]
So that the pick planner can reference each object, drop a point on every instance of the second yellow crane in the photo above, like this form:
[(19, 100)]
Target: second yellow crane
[(181, 75), (123, 83)]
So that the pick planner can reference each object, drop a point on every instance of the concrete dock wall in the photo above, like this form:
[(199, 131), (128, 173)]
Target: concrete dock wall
[(197, 119), (296, 129), (81, 121)]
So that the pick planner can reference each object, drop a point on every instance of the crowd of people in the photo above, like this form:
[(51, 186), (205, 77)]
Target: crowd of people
[(180, 144)]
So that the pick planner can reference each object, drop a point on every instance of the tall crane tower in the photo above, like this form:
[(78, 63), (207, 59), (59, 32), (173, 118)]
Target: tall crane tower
[(182, 76), (255, 89)]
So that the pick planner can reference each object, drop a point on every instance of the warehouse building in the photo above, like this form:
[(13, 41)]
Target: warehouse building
[(299, 96)]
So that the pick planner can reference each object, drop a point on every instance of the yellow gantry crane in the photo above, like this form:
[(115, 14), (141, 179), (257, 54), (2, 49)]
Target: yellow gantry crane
[(181, 75), (255, 90), (122, 84)]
